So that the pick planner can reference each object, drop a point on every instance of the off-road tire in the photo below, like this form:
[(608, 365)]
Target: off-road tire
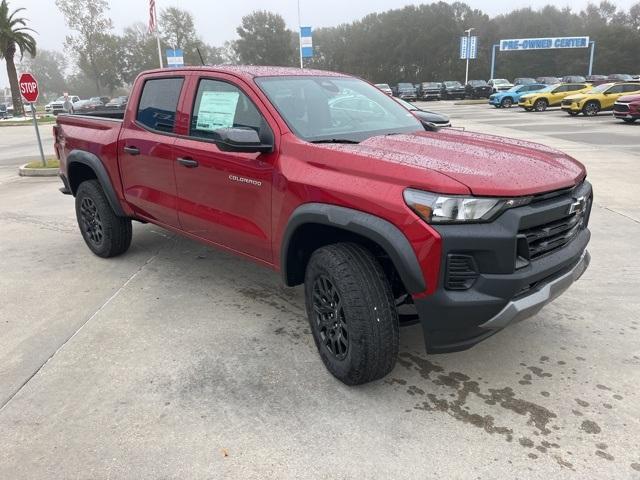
[(540, 105), (367, 310), (105, 233)]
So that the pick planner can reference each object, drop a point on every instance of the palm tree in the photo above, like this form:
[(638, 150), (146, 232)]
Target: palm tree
[(14, 36)]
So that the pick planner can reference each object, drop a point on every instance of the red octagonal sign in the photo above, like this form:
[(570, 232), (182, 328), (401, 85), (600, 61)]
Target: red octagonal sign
[(28, 87)]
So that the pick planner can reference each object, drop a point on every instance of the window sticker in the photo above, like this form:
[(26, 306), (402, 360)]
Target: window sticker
[(217, 110)]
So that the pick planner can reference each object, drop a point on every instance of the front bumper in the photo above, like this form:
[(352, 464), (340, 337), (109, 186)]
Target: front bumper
[(505, 291), (571, 107)]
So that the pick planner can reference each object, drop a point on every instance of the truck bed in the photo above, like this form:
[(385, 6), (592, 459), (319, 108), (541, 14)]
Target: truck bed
[(93, 135)]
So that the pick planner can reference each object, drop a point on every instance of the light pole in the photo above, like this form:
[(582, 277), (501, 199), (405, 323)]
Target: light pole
[(300, 37), (468, 53)]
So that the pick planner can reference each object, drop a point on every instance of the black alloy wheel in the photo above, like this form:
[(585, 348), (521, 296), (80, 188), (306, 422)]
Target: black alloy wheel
[(330, 319), (91, 222)]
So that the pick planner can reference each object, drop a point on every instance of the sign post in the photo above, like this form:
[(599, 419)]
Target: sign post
[(175, 58), (306, 44), (29, 90), (468, 50)]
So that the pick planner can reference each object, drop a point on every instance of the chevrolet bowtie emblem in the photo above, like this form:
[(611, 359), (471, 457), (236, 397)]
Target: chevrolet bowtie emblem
[(578, 205)]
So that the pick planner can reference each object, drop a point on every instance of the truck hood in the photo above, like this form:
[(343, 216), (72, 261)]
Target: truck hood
[(485, 164)]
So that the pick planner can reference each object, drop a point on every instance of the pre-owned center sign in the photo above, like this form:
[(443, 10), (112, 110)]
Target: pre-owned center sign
[(519, 44)]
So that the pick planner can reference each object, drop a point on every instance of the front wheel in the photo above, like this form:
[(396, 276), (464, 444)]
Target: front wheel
[(105, 233), (352, 313), (591, 108), (507, 102), (540, 105)]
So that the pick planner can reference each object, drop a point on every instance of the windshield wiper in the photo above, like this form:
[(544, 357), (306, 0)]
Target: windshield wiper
[(336, 140)]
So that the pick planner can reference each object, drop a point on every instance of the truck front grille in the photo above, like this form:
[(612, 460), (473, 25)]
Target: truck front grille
[(546, 238)]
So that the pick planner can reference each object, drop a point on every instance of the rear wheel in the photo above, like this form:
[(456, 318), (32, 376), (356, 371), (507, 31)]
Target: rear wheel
[(105, 233), (591, 108), (629, 120), (352, 313), (507, 102), (540, 105)]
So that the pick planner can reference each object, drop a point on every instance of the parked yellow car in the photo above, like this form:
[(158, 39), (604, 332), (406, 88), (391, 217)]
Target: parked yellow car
[(551, 96), (598, 98)]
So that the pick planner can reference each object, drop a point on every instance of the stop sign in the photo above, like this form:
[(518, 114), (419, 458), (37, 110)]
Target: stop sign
[(28, 87)]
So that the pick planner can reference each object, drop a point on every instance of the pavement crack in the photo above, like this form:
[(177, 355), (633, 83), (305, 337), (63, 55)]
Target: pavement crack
[(620, 213), (91, 317)]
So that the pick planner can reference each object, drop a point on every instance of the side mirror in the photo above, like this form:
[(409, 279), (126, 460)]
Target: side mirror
[(241, 140), (429, 126)]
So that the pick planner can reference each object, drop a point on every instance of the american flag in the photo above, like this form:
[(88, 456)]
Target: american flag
[(152, 15)]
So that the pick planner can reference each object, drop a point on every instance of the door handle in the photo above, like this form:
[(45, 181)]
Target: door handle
[(132, 150), (187, 162)]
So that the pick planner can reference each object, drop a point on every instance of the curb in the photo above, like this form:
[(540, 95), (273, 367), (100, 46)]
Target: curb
[(37, 172)]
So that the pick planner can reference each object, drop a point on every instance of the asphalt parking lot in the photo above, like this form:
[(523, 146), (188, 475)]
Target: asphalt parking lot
[(177, 361)]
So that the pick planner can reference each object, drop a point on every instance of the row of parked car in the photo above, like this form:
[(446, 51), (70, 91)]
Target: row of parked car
[(475, 89), (575, 98), (77, 105), (84, 106)]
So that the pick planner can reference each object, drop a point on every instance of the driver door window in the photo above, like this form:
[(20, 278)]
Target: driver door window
[(221, 105), (616, 89)]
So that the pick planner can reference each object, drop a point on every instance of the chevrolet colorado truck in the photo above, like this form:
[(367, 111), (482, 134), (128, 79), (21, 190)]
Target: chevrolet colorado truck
[(324, 178)]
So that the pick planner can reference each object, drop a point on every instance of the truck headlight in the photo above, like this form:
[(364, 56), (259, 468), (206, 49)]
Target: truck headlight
[(436, 208)]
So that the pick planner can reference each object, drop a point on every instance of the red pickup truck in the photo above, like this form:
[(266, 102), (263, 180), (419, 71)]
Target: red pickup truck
[(324, 178)]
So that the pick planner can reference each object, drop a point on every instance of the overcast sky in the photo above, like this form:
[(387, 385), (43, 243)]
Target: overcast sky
[(216, 20)]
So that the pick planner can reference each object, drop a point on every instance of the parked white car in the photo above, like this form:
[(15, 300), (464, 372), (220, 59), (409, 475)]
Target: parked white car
[(57, 106), (500, 84)]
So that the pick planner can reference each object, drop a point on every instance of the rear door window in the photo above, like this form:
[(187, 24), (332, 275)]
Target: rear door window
[(158, 103)]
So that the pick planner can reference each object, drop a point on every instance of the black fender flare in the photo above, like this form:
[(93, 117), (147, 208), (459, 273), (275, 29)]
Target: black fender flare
[(93, 162), (383, 233)]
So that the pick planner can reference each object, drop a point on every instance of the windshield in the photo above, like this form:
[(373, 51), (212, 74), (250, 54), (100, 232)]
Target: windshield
[(318, 108), (382, 85), (500, 81), (477, 83), (453, 84), (431, 85)]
